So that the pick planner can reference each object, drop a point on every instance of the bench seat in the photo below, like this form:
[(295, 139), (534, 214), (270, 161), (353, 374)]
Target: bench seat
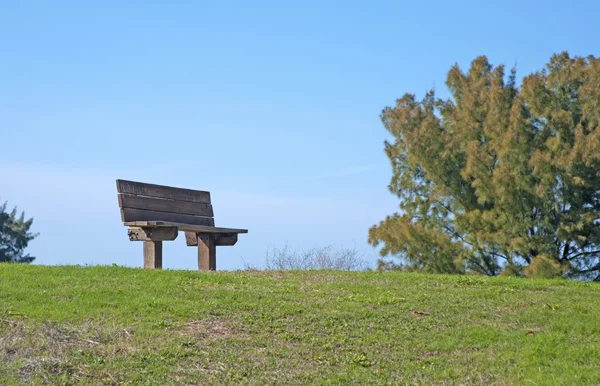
[(183, 227)]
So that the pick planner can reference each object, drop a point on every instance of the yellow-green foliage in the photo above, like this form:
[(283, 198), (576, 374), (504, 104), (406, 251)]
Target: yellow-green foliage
[(498, 173), (545, 267)]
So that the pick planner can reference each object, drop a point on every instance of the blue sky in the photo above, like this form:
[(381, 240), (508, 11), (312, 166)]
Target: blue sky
[(272, 106)]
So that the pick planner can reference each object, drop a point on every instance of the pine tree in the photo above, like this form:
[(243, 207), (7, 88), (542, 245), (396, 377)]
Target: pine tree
[(498, 178), (14, 236)]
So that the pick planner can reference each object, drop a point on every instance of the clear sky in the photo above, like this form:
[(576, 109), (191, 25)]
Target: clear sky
[(272, 106)]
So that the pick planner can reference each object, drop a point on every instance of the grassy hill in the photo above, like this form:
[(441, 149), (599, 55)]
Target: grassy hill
[(112, 325)]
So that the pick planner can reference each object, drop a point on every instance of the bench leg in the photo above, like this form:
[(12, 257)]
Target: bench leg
[(207, 254), (153, 254)]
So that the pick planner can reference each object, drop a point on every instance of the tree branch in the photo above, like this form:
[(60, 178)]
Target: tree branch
[(485, 271), (582, 254), (594, 268), (565, 250), (444, 206), (455, 233)]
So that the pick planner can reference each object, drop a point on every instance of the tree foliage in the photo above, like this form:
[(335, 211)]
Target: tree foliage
[(14, 236), (498, 177)]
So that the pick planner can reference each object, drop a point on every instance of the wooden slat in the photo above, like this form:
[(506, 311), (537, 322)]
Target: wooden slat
[(128, 215), (161, 191), (162, 205), (184, 227)]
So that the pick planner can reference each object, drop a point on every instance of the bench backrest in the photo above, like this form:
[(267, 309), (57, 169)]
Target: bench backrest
[(149, 202)]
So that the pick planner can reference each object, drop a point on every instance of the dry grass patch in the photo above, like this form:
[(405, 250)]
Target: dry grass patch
[(210, 329)]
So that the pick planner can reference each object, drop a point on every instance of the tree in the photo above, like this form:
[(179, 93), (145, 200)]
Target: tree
[(498, 178), (14, 236)]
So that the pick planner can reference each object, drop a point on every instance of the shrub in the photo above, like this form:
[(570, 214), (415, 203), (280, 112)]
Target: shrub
[(317, 258)]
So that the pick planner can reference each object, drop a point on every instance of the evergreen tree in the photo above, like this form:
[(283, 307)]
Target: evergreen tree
[(498, 178), (14, 236)]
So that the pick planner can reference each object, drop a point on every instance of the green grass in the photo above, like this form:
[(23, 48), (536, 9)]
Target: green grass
[(112, 325)]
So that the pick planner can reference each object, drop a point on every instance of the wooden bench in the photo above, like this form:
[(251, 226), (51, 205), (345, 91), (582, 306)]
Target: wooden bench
[(156, 213)]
